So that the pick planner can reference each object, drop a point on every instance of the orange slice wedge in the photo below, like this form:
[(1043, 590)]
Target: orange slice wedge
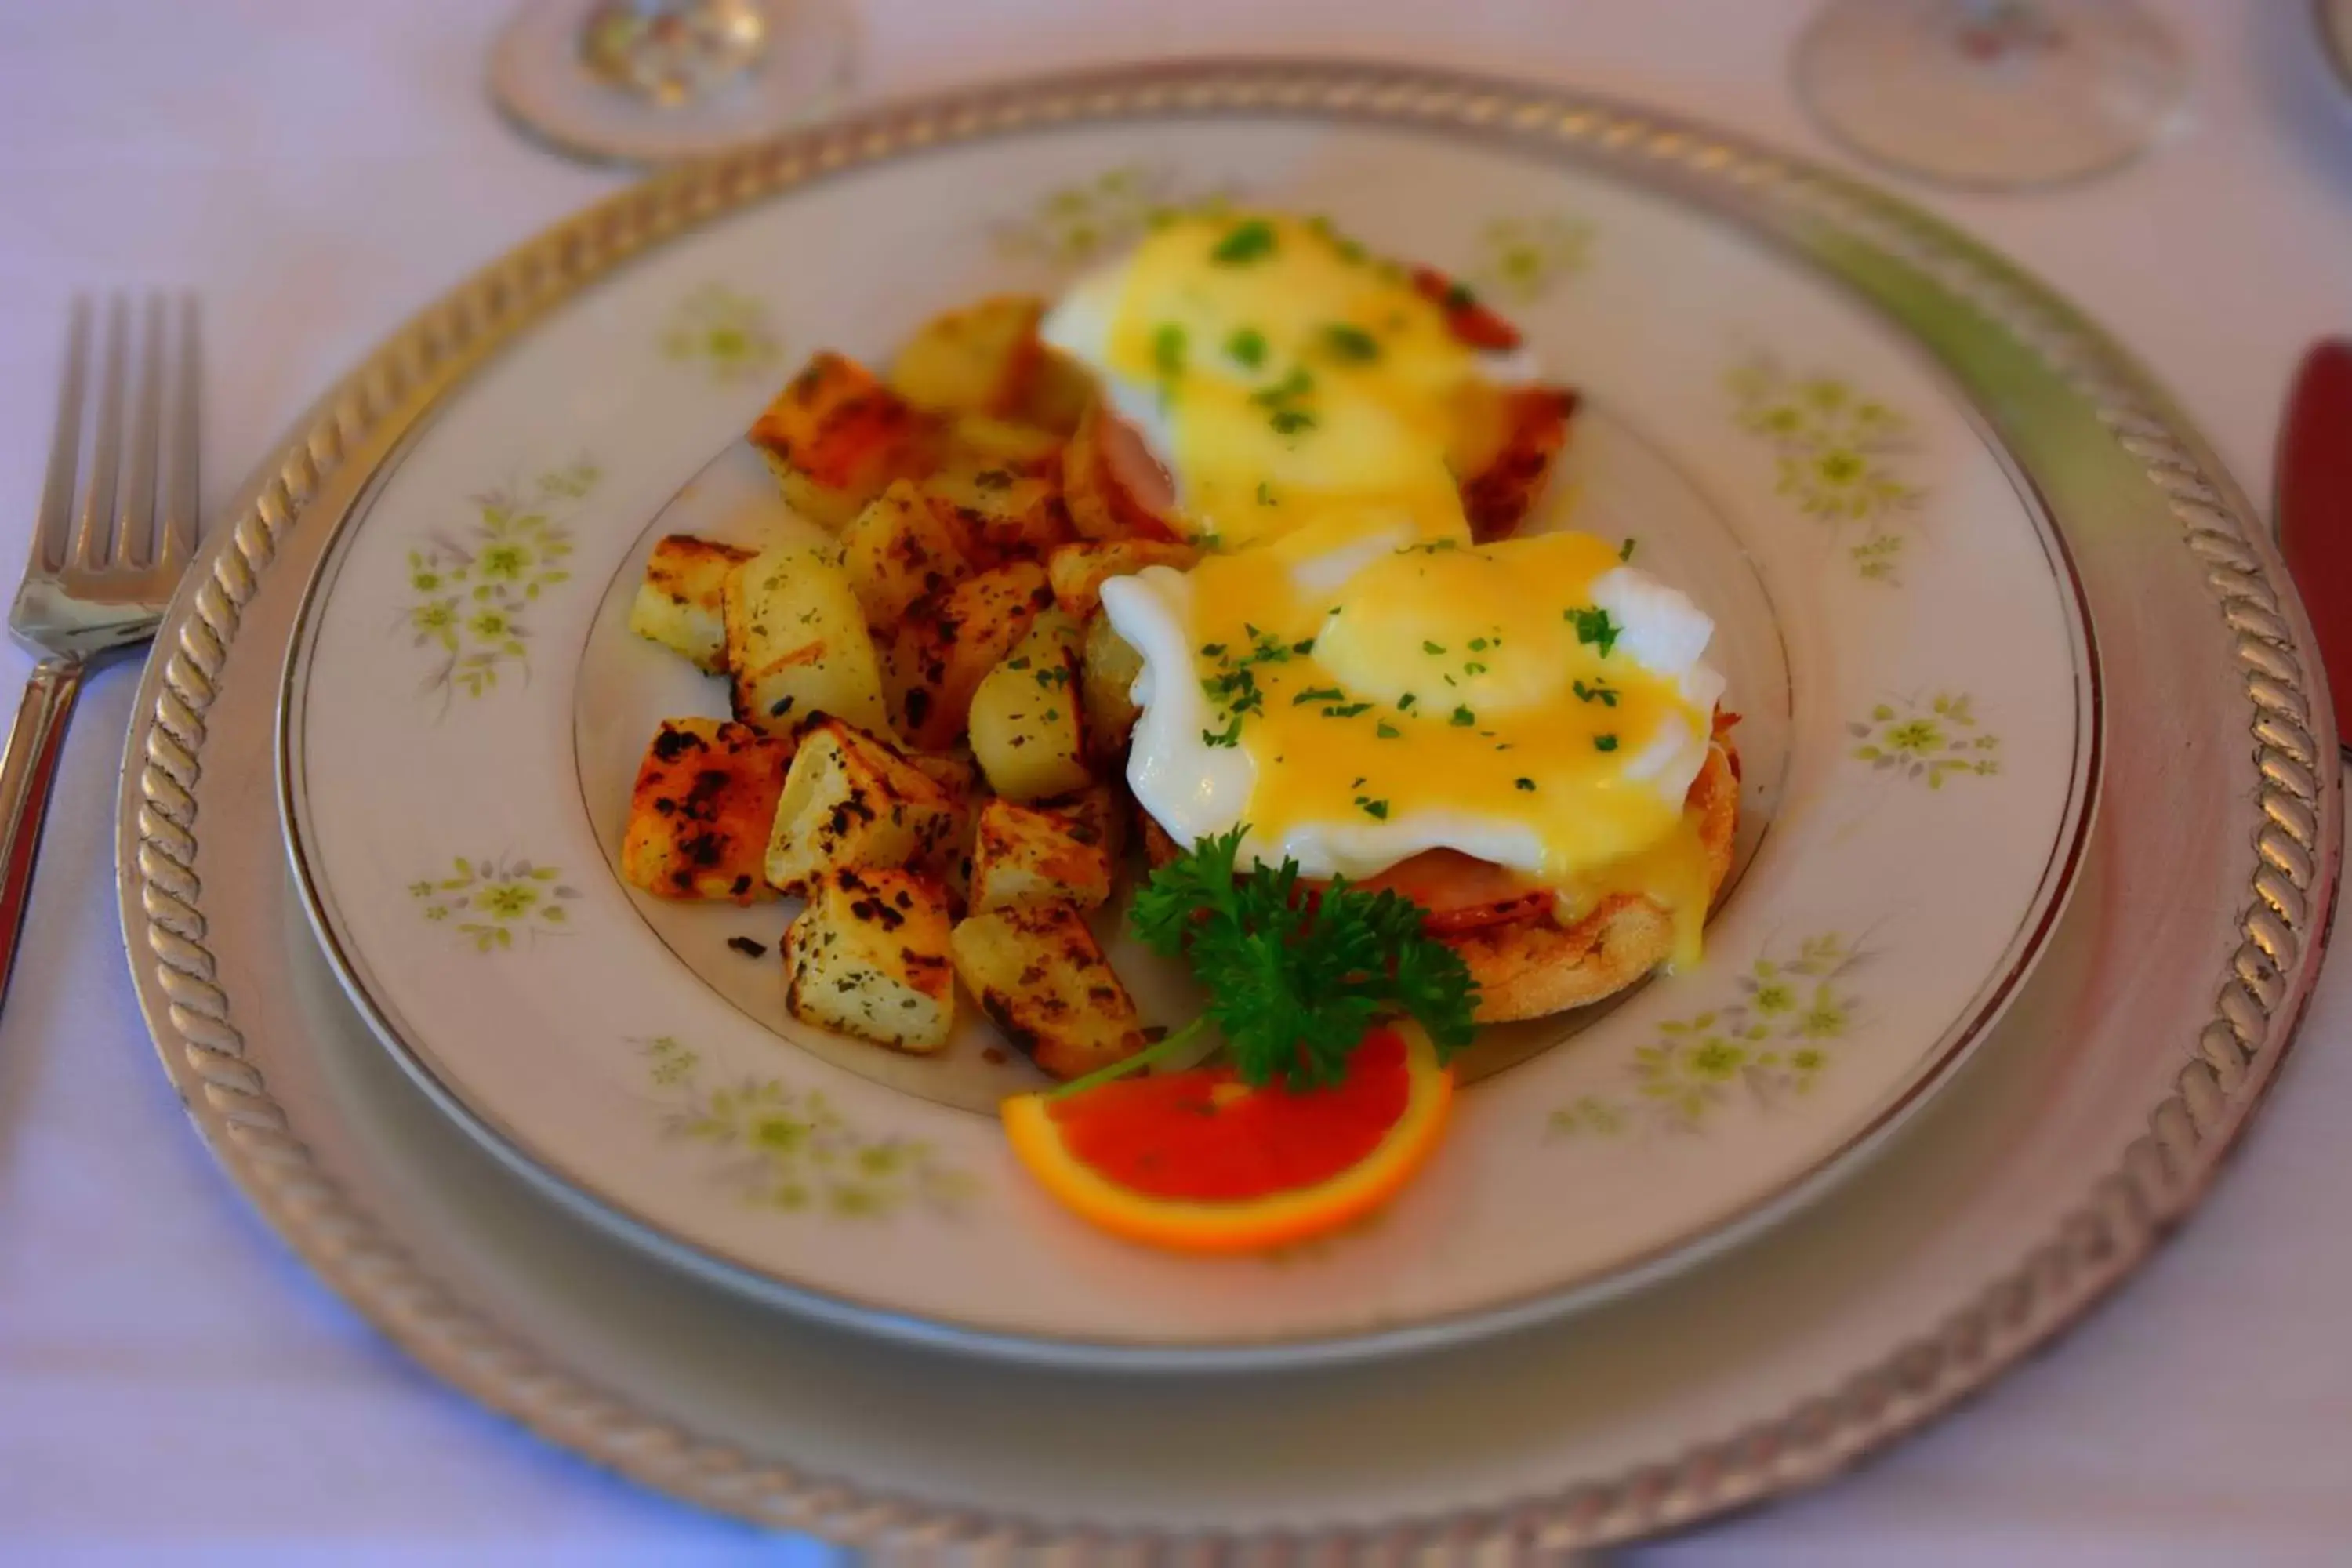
[(1200, 1162)]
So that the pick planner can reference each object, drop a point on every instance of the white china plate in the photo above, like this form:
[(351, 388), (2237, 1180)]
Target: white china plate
[(1898, 624), (2090, 1121)]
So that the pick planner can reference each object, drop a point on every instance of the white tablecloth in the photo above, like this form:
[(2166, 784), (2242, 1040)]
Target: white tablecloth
[(172, 1383)]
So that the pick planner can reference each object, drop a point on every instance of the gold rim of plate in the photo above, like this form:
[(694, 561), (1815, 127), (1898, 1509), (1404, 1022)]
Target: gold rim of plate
[(1888, 252)]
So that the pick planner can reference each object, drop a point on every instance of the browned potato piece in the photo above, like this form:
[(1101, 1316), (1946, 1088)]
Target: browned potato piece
[(1041, 977), (1033, 854), (977, 441), (1078, 571), (1058, 393), (1000, 515), (837, 437), (869, 957), (899, 549), (1506, 473), (797, 643), (681, 603), (955, 772), (977, 360), (851, 800), (1107, 666), (1026, 728), (698, 817), (948, 643)]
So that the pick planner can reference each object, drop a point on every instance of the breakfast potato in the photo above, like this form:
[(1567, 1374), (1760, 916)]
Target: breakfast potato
[(852, 801), (700, 815), (980, 441), (1042, 979), (957, 772), (1036, 855), (1107, 666), (797, 644), (1077, 571), (948, 643), (976, 360), (1026, 728), (681, 603), (869, 957), (1097, 815), (1111, 485), (837, 437), (899, 549), (1000, 515), (1059, 390), (1527, 430)]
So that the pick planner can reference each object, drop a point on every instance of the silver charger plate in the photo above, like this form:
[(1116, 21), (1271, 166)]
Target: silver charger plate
[(2089, 1122)]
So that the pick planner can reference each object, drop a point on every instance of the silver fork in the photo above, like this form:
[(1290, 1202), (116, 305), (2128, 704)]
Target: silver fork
[(101, 572)]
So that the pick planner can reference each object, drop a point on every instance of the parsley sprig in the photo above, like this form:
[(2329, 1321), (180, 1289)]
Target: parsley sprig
[(1295, 977)]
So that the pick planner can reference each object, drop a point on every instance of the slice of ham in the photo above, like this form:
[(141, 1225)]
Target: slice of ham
[(1459, 892), (1469, 321)]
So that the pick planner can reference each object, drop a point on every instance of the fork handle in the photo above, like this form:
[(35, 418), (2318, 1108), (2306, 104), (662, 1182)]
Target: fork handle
[(27, 771)]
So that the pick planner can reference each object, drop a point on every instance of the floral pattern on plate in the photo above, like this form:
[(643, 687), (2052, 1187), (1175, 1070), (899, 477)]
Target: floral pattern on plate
[(1071, 224), (724, 333), (1784, 1028), (777, 1146), (1839, 455), (472, 590), (489, 900), (1928, 740), (1520, 259)]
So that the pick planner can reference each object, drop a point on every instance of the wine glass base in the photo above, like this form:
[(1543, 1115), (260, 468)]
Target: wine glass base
[(544, 82), (1991, 95)]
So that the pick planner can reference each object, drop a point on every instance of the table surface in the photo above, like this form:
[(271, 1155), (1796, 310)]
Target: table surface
[(171, 1381)]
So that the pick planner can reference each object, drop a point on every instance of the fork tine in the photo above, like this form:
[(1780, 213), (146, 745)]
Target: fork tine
[(134, 509), (106, 447), (181, 497), (51, 535)]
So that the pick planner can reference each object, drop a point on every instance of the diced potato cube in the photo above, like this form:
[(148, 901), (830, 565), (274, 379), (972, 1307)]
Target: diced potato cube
[(869, 957), (679, 604), (1108, 665), (958, 772), (1033, 854), (1041, 977), (978, 441), (946, 643), (1058, 392), (853, 801), (1026, 728), (899, 549), (797, 644), (977, 360), (1078, 571), (837, 437), (698, 817), (1000, 515), (1096, 814)]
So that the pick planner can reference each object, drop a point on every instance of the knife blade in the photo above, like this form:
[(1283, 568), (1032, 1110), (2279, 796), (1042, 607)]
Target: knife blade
[(2315, 509)]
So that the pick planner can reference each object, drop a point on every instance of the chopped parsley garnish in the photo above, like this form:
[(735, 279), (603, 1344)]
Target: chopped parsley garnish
[(1594, 626), (1212, 650), (1248, 242), (1386, 731), (1295, 983), (1432, 647), (1354, 344), (1406, 701), (1318, 694), (1463, 718), (1246, 347), (1168, 350), (1477, 644), (1459, 298), (1604, 694), (1377, 810), (1230, 736), (1625, 550), (1349, 712), (1264, 493), (1527, 785), (1473, 667), (1291, 421), (1604, 742)]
